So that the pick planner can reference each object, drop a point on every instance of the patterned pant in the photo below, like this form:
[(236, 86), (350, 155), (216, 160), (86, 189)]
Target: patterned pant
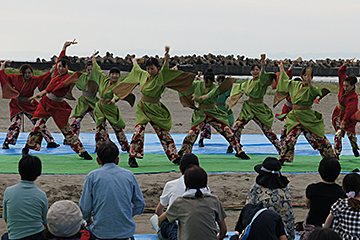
[(35, 137), (287, 151), (15, 127), (219, 126), (102, 135), (338, 139), (137, 142), (307, 135), (240, 124), (75, 126), (206, 132)]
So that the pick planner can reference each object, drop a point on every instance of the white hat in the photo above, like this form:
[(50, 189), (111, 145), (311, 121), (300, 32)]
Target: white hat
[(64, 218)]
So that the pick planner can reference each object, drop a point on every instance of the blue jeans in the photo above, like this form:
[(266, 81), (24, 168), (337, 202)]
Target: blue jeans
[(169, 230)]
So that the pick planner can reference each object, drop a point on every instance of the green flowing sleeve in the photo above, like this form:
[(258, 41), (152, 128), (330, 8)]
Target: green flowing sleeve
[(186, 99), (177, 80), (127, 83), (282, 89), (266, 79), (236, 92), (136, 75), (97, 74), (214, 92)]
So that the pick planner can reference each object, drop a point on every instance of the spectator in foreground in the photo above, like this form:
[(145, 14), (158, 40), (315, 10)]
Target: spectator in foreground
[(112, 196), (323, 234), (268, 225), (25, 206), (271, 188), (172, 190), (64, 222), (320, 196), (197, 210), (344, 214)]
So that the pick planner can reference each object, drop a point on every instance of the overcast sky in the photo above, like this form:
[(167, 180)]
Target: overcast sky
[(280, 28)]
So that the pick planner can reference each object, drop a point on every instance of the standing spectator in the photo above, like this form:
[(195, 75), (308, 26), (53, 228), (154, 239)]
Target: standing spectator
[(271, 188), (320, 196), (344, 214), (112, 195), (25, 205), (172, 190)]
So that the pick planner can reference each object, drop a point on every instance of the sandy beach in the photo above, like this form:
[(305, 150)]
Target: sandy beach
[(230, 188)]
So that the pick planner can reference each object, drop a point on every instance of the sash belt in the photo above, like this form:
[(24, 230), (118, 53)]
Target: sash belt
[(256, 100), (54, 98), (301, 107), (149, 99)]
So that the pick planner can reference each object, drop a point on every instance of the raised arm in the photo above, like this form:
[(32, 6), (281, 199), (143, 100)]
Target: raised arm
[(281, 65), (2, 66)]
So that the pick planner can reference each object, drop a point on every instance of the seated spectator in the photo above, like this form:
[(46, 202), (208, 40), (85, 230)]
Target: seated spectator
[(323, 234), (271, 188), (344, 214), (112, 196), (268, 225), (197, 210), (25, 206), (320, 196), (172, 190), (64, 222)]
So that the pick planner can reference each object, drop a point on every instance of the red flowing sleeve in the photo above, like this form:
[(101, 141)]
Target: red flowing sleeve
[(6, 86), (62, 53), (290, 73), (351, 108), (43, 80), (342, 76)]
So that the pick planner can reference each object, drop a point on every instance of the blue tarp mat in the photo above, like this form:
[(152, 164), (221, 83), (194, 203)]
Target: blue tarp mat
[(252, 144)]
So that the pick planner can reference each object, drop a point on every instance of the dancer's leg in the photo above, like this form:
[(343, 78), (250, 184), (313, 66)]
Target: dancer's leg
[(166, 141)]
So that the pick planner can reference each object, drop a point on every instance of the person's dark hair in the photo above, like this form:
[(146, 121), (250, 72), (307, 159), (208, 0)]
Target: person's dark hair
[(24, 67), (351, 183), (298, 79), (65, 61), (329, 169), (254, 65), (209, 75), (351, 79), (187, 161), (303, 71), (323, 234), (220, 78), (114, 70), (29, 168), (107, 152), (152, 62), (195, 178)]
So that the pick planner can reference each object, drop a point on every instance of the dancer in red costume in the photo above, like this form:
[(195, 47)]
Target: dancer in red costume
[(53, 105), (19, 87), (343, 118)]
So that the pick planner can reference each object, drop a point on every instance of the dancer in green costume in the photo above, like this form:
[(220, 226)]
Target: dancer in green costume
[(149, 109), (205, 93), (106, 108), (254, 108), (220, 103), (302, 118)]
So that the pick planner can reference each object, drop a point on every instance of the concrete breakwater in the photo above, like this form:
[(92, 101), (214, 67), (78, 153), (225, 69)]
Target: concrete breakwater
[(228, 65)]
